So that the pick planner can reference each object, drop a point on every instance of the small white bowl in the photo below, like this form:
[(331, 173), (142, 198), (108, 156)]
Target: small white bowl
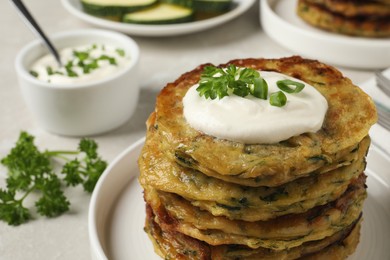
[(81, 109)]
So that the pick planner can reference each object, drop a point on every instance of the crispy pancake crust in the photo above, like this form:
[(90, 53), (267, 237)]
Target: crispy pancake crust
[(364, 26), (175, 214), (173, 245), (351, 113), (350, 8), (177, 246), (246, 203), (339, 251), (156, 142)]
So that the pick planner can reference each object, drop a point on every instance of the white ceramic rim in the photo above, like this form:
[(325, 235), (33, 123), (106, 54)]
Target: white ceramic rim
[(99, 254), (95, 243), (270, 19), (159, 30), (81, 33)]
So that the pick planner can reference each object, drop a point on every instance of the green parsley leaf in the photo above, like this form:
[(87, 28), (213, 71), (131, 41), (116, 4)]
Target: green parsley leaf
[(87, 171), (210, 86), (71, 171), (30, 170), (11, 209), (217, 82), (240, 88), (89, 147), (248, 75), (25, 163), (94, 170), (53, 201)]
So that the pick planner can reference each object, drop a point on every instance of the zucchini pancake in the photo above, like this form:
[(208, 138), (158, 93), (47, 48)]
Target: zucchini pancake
[(209, 196), (363, 18)]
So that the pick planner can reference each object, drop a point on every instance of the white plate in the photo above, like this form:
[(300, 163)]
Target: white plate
[(117, 211), (280, 22), (75, 8)]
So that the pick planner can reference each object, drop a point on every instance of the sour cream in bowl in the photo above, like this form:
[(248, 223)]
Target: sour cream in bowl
[(95, 90)]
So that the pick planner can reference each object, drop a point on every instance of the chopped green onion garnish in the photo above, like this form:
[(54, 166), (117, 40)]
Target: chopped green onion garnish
[(111, 60), (34, 73), (284, 85), (260, 88), (83, 60), (49, 70), (81, 55), (69, 71), (218, 82), (90, 66), (278, 99), (120, 52)]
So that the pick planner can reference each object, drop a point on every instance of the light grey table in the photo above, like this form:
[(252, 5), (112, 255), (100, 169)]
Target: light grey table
[(162, 61)]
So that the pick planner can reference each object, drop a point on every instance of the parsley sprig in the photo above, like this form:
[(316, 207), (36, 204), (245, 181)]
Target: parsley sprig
[(219, 82), (31, 171)]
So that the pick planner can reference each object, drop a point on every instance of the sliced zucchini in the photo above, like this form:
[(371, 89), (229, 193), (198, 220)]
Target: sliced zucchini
[(212, 5), (160, 14), (185, 3), (114, 8)]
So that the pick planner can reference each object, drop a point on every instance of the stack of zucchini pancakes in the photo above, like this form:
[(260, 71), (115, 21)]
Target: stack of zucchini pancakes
[(301, 198), (363, 18)]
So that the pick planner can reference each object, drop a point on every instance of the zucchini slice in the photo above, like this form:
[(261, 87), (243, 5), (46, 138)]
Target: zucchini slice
[(185, 3), (160, 14), (212, 5), (114, 8)]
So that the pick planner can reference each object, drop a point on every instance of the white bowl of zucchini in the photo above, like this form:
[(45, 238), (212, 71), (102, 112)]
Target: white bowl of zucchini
[(157, 17), (94, 90)]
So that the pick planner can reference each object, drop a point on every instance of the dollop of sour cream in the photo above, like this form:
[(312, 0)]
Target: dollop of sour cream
[(252, 120), (84, 63)]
